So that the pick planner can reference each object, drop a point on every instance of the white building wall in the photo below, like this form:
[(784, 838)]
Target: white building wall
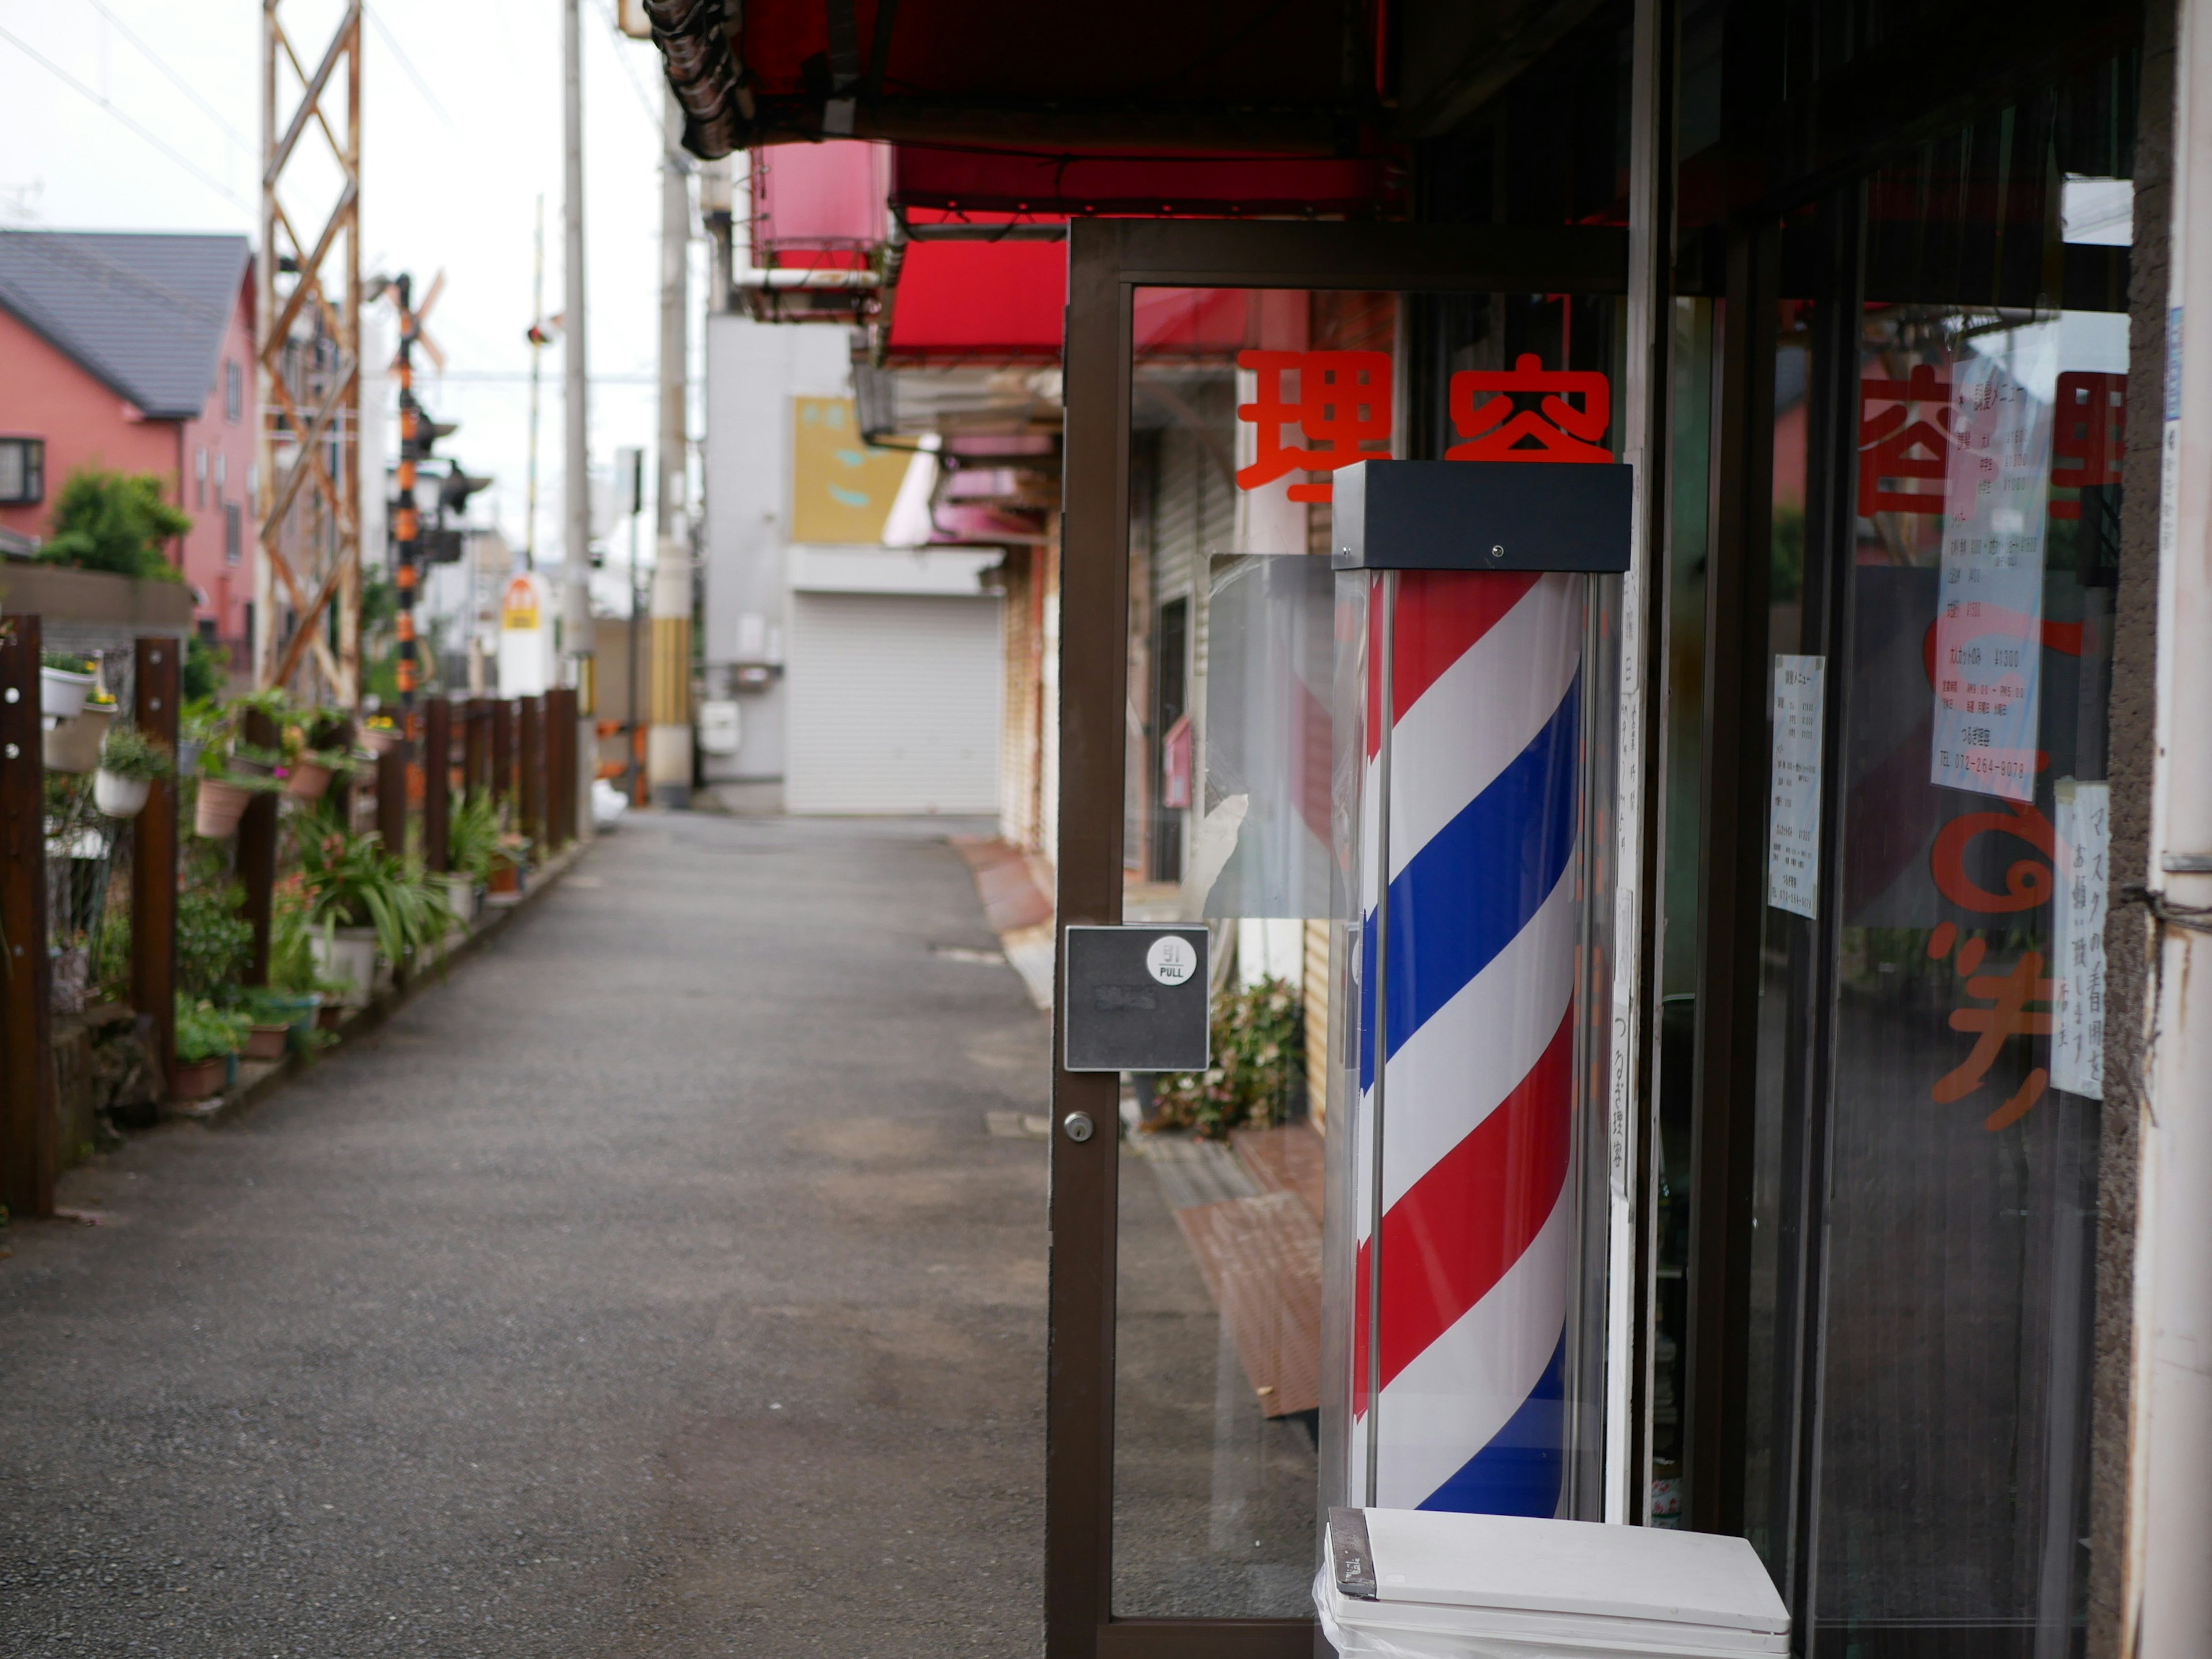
[(753, 372)]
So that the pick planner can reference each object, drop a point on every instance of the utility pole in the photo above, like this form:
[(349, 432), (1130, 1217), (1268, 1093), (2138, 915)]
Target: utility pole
[(307, 464), (537, 355), (405, 520), (576, 606), (668, 751)]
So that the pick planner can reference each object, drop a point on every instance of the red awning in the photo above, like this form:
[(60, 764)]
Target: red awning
[(1293, 76), (1063, 186)]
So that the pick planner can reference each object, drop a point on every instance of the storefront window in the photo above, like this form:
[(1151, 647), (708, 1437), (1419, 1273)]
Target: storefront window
[(1990, 413)]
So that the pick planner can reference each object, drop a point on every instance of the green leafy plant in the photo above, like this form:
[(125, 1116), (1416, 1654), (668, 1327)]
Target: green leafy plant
[(206, 670), (1259, 1057), (207, 1032), (66, 662), (214, 942), (127, 752), (473, 836), (115, 521), (353, 880)]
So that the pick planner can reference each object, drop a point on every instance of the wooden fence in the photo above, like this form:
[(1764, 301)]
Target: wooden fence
[(522, 749)]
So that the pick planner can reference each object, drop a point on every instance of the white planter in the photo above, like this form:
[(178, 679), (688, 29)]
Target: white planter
[(119, 798), (461, 896), (61, 692), (73, 744), (347, 954)]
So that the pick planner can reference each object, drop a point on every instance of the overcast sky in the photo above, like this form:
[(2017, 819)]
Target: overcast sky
[(461, 133)]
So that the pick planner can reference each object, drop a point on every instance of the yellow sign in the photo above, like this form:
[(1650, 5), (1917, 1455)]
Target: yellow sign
[(841, 489), (518, 609)]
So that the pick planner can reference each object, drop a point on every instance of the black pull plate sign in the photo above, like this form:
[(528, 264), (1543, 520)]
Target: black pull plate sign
[(1482, 515), (1135, 999)]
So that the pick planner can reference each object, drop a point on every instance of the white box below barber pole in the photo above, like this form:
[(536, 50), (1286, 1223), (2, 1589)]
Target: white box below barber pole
[(1430, 1584)]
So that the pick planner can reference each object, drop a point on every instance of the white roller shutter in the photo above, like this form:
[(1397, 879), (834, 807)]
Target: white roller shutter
[(894, 703)]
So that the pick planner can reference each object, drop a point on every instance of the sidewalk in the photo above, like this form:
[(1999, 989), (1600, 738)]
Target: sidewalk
[(693, 1311)]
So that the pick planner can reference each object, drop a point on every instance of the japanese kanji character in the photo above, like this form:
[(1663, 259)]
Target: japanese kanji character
[(1891, 445), (2088, 437), (1561, 431), (2007, 1016), (1343, 405)]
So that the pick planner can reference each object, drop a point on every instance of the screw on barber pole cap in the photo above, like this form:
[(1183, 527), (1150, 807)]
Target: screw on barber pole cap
[(1482, 515)]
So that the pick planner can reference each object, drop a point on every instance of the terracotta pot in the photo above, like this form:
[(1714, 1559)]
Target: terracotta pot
[(197, 1079), (73, 744), (221, 806), (329, 1015), (266, 1042), (120, 797), (61, 692), (308, 781), (379, 739)]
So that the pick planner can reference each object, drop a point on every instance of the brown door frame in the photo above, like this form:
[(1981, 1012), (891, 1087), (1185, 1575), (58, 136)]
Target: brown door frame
[(1108, 260)]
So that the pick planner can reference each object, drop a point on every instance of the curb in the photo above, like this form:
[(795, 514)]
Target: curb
[(228, 1108)]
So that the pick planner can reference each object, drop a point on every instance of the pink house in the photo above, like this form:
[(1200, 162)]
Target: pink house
[(135, 352)]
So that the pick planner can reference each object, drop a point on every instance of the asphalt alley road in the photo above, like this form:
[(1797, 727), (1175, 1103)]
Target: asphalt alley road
[(650, 1287)]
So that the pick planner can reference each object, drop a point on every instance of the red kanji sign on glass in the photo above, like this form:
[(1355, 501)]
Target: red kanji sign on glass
[(1341, 407), (1555, 430), (1893, 446), (2088, 434)]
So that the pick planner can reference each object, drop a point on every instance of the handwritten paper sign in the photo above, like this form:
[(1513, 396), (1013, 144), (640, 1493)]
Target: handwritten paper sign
[(1793, 834)]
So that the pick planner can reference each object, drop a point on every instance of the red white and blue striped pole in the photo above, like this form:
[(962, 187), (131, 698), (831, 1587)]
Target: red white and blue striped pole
[(1464, 1143)]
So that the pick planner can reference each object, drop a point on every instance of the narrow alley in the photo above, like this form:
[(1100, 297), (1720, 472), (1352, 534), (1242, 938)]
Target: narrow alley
[(655, 1288)]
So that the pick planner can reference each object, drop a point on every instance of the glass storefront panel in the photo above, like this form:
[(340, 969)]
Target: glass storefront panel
[(1962, 1113)]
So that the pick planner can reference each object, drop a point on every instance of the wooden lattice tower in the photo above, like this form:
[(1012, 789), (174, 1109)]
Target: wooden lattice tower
[(308, 321)]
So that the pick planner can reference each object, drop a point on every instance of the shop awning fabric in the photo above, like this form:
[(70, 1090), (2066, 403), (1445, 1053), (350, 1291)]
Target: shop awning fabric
[(1187, 78)]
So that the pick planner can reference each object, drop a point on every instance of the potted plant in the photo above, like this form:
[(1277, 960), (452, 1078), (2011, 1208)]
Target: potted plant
[(129, 761), (66, 680), (207, 1038), (378, 735), (312, 771), (368, 902), (471, 849), (270, 1016), (294, 977), (72, 745)]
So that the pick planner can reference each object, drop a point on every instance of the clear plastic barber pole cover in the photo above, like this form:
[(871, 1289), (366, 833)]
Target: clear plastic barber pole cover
[(1462, 1334)]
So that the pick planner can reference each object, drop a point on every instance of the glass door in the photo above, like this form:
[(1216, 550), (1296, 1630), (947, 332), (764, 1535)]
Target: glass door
[(1207, 1232)]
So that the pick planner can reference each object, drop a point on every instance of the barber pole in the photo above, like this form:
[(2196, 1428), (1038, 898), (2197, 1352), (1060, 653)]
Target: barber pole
[(1473, 751)]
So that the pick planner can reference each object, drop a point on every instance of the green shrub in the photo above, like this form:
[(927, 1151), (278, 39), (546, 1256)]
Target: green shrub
[(115, 521), (1259, 1061), (130, 753), (352, 880), (214, 942), (207, 1032)]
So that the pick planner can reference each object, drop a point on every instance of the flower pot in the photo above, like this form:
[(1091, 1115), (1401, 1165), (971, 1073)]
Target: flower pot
[(61, 692), (246, 767), (308, 781), (379, 739), (266, 1042), (461, 897), (120, 797), (310, 1003), (221, 806), (196, 1079), (329, 1016), (73, 744), (347, 954), (505, 876)]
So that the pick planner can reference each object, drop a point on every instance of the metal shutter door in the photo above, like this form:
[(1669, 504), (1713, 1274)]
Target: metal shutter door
[(894, 703)]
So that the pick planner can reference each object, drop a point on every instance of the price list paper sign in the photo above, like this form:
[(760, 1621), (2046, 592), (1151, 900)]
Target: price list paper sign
[(1793, 817), (1989, 622), (2077, 1030)]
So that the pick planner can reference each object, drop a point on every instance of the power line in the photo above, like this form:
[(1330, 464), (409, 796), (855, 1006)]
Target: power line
[(644, 99), (189, 166), (413, 74), (176, 79)]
